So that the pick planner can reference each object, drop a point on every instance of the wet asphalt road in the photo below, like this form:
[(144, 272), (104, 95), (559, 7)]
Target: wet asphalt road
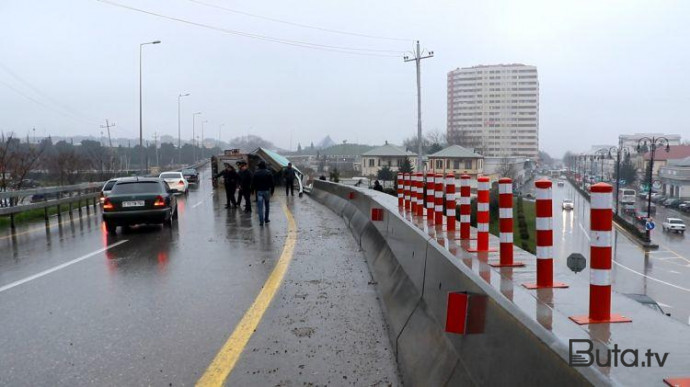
[(157, 305), (663, 274)]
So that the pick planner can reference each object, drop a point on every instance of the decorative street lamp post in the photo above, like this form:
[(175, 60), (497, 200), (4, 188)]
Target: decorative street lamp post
[(651, 144)]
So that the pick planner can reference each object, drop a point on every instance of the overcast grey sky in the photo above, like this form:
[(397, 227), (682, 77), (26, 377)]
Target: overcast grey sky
[(605, 67)]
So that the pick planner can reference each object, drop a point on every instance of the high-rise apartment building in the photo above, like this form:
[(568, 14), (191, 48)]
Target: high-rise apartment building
[(494, 109)]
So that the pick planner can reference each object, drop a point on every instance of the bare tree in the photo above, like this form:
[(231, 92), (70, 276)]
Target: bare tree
[(507, 168), (23, 159), (4, 160), (66, 163)]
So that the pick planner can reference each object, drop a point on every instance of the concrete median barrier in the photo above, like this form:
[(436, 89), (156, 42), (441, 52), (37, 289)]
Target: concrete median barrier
[(495, 331)]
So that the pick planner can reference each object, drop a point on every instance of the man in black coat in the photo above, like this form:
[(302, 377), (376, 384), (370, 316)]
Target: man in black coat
[(264, 186), (245, 187), (289, 175), (230, 179)]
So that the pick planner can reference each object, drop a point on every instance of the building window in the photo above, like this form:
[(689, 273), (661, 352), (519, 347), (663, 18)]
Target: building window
[(468, 164), (456, 164), (371, 162), (379, 163), (439, 164)]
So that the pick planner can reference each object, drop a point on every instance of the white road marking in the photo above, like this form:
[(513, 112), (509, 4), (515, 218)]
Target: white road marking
[(197, 205), (59, 267), (584, 231), (664, 305), (652, 278), (674, 272)]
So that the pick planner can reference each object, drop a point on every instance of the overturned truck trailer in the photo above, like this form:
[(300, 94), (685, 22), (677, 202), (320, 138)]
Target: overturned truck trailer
[(275, 162)]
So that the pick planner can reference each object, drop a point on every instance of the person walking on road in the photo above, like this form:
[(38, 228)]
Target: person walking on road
[(264, 187), (245, 187), (230, 179), (289, 175)]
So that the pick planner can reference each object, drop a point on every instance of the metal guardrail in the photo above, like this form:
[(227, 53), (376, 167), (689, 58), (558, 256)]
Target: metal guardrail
[(11, 201)]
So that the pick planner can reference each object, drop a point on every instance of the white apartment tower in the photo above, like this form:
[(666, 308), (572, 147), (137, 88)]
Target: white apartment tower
[(495, 109)]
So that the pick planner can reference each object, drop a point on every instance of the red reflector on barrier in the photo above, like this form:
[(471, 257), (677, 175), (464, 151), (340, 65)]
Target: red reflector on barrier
[(377, 214), (351, 195), (678, 382), (456, 313)]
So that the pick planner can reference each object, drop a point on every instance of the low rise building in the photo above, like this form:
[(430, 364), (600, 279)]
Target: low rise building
[(388, 155), (457, 160), (675, 178)]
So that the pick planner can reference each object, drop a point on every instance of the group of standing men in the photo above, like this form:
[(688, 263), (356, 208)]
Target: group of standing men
[(260, 182)]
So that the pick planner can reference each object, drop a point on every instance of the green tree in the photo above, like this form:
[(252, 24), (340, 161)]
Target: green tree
[(385, 174), (628, 172), (406, 166)]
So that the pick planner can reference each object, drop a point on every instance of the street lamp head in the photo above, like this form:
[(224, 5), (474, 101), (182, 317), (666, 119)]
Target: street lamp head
[(668, 148), (184, 95), (156, 42)]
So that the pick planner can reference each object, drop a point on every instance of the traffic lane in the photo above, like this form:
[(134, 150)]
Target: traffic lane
[(670, 240), (325, 325), (634, 270), (153, 310)]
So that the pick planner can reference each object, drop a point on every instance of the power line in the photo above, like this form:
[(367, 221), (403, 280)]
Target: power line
[(296, 43), (297, 24), (65, 110), (66, 114)]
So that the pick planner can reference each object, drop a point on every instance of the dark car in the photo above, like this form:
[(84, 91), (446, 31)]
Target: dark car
[(139, 201), (191, 175), (629, 209), (659, 198), (672, 203)]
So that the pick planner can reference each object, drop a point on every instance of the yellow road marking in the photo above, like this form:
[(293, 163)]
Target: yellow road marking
[(226, 359)]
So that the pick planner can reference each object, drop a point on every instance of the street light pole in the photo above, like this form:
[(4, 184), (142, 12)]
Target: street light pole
[(179, 131), (202, 138), (194, 135), (141, 119), (654, 142)]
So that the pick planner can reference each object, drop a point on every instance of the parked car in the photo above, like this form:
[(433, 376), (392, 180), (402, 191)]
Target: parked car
[(656, 198), (673, 224), (175, 180), (568, 204), (671, 203), (139, 201), (107, 187), (684, 206), (191, 175), (647, 301)]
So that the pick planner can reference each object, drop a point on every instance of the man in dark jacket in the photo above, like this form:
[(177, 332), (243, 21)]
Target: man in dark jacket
[(264, 187), (230, 179), (245, 187), (289, 175)]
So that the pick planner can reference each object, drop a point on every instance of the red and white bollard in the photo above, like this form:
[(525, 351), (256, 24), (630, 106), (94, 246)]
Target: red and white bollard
[(450, 203), (413, 193), (482, 215), (544, 220), (465, 208), (505, 223), (406, 179), (429, 200), (401, 197), (438, 199), (601, 225), (420, 194)]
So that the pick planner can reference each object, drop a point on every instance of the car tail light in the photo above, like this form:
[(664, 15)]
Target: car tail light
[(107, 204), (181, 182), (159, 202)]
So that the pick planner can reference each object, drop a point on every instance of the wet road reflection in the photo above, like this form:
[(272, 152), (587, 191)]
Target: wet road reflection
[(662, 274)]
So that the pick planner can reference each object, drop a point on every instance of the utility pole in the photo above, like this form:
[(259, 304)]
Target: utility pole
[(418, 56), (218, 142), (155, 144), (108, 126), (202, 138)]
